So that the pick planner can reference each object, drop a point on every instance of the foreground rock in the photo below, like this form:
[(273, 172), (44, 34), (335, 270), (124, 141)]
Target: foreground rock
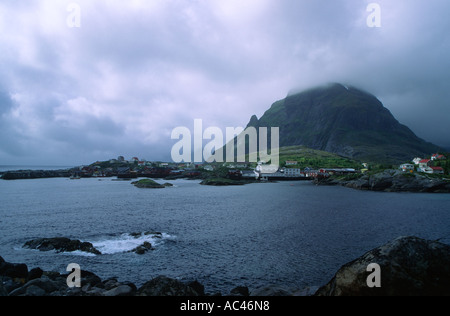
[(273, 290), (164, 286), (391, 181), (55, 284), (410, 266), (61, 244)]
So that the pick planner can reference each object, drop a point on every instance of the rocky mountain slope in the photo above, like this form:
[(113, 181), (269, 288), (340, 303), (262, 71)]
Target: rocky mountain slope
[(346, 121)]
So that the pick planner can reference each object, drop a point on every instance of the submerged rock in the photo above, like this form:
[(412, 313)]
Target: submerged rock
[(141, 234), (143, 248), (410, 266), (61, 244)]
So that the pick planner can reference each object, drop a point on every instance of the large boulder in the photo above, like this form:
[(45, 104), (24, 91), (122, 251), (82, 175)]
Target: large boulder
[(13, 270), (409, 266)]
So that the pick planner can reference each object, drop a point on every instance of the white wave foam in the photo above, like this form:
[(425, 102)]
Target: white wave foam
[(128, 242), (79, 253)]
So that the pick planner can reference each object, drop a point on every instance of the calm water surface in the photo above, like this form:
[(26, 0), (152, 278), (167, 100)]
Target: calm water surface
[(289, 233)]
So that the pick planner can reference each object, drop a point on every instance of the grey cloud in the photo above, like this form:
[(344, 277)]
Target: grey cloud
[(6, 104), (145, 70)]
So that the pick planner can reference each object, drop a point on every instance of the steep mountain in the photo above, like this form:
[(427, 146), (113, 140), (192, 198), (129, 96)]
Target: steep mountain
[(346, 121)]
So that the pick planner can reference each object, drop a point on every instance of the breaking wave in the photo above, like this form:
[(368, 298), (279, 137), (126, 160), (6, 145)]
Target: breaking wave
[(128, 241)]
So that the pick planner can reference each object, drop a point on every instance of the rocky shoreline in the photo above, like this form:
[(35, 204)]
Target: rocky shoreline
[(408, 266), (390, 181)]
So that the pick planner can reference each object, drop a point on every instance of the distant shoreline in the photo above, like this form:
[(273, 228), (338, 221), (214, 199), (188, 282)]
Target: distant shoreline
[(384, 181), (13, 168)]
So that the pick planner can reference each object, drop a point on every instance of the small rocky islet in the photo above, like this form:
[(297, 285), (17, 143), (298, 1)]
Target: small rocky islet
[(63, 244), (150, 184)]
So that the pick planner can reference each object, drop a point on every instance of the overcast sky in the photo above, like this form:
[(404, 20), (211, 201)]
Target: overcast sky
[(131, 71)]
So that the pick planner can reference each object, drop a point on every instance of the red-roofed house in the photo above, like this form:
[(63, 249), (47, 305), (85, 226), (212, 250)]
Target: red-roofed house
[(423, 165), (437, 157)]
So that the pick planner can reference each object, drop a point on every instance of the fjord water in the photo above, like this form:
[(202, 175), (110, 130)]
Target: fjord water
[(294, 234)]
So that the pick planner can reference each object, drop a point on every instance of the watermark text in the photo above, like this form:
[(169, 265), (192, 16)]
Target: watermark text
[(189, 148), (74, 18), (374, 18), (74, 278)]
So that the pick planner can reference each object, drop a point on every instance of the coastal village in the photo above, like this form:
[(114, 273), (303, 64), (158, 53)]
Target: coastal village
[(290, 170), (432, 165)]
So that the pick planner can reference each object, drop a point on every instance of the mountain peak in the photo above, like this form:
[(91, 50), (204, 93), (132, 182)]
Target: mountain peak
[(345, 120)]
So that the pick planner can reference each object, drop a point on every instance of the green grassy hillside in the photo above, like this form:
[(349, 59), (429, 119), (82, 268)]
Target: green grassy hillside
[(307, 157)]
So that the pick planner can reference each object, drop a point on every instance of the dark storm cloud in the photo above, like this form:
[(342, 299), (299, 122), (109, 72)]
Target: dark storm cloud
[(12, 141), (137, 69), (6, 103)]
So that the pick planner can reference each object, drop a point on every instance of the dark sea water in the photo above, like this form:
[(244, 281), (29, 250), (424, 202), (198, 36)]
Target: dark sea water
[(290, 233)]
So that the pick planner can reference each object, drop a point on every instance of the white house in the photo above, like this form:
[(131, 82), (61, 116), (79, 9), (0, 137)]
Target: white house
[(407, 167), (292, 173), (417, 160), (423, 165)]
